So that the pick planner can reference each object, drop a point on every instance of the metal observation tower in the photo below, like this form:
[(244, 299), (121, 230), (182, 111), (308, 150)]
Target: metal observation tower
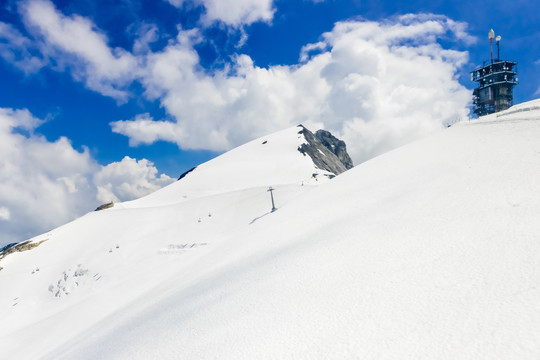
[(496, 80)]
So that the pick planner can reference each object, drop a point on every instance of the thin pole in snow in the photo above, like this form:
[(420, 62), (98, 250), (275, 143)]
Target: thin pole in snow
[(272, 197)]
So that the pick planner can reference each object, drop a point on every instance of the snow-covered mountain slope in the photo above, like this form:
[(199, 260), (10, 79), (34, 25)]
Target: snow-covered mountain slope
[(107, 259), (431, 251), (269, 161)]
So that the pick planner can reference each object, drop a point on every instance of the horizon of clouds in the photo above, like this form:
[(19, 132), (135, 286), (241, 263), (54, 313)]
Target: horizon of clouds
[(376, 84)]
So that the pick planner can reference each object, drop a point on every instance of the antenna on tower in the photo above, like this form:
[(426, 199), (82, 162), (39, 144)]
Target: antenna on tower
[(491, 36)]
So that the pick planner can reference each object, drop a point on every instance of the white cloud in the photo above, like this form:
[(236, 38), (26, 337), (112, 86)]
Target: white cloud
[(377, 84), (5, 214), (386, 91), (144, 130), (128, 179), (29, 186), (227, 108), (75, 42), (44, 184), (235, 13), (460, 30), (19, 50), (306, 50), (238, 12), (146, 35)]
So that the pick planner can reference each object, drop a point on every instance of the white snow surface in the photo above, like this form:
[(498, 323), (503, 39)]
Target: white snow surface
[(270, 160), (431, 251)]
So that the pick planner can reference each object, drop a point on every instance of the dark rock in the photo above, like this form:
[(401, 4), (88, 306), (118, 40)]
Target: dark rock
[(7, 247), (105, 206), (322, 156), (187, 172), (20, 247), (336, 146)]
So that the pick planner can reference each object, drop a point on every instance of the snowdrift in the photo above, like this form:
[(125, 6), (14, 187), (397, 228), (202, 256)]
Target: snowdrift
[(431, 251)]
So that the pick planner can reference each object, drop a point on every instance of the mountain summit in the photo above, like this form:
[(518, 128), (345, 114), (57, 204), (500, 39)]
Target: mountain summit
[(290, 156), (430, 251), (326, 151)]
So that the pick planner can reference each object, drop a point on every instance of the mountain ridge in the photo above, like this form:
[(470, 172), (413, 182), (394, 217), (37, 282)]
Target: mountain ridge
[(322, 153), (259, 162)]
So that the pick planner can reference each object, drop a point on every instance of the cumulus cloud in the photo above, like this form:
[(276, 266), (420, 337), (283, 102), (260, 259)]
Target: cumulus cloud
[(232, 12), (144, 130), (238, 12), (377, 84), (44, 184), (31, 184), (128, 179), (391, 82), (75, 42), (226, 108)]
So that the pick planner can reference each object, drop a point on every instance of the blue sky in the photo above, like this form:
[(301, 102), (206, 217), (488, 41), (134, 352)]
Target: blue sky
[(104, 100)]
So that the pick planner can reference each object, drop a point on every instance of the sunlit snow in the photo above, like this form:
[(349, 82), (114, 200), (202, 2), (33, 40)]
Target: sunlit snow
[(430, 251)]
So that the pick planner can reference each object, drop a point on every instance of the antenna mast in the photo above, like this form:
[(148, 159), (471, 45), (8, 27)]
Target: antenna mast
[(491, 36)]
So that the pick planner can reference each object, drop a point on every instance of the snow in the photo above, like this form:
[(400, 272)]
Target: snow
[(428, 251), (268, 161)]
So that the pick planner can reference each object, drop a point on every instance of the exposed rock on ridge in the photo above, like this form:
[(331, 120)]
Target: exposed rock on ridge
[(323, 156), (105, 206), (20, 247), (185, 173), (336, 146)]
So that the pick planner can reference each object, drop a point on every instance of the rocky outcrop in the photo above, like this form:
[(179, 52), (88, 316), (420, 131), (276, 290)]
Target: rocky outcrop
[(336, 146), (105, 206), (187, 172), (7, 247), (323, 156), (24, 246)]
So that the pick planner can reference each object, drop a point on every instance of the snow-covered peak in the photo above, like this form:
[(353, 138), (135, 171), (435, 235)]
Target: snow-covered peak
[(271, 160)]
